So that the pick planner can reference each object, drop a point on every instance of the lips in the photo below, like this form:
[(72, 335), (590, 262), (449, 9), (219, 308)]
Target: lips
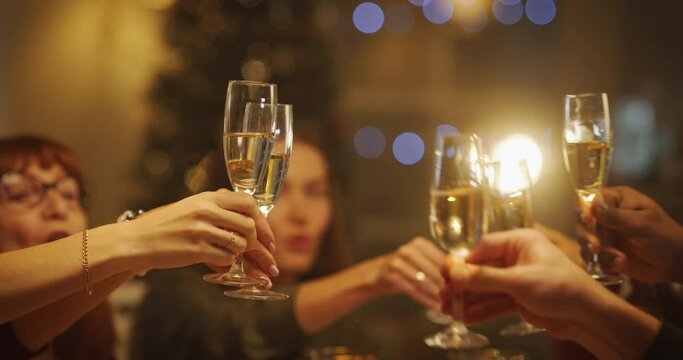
[(299, 243)]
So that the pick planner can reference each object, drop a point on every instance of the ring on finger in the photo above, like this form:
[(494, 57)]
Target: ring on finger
[(230, 241), (420, 276)]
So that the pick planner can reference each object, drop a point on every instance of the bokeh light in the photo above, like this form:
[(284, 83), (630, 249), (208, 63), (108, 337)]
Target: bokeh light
[(471, 15), (420, 2), (540, 12), (255, 70), (399, 19), (408, 148), (438, 11), (369, 142), (368, 17), (446, 129), (508, 12), (517, 147)]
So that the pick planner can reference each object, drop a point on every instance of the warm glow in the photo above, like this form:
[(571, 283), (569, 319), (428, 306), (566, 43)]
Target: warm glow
[(519, 147), (511, 178)]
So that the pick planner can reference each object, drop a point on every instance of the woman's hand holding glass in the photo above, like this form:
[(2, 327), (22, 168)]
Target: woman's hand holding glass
[(211, 227), (413, 269)]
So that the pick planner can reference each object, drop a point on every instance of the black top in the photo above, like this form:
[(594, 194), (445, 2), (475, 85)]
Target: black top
[(667, 345), (11, 347)]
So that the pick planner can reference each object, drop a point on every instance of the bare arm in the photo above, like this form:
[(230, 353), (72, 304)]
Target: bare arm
[(190, 231), (39, 327), (55, 269), (321, 302)]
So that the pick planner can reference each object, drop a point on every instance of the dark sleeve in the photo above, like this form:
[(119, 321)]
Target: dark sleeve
[(272, 331), (667, 345), (184, 317), (90, 338), (11, 348)]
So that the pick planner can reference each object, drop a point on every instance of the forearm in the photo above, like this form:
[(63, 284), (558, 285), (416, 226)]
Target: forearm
[(34, 277), (39, 327), (616, 329), (321, 302)]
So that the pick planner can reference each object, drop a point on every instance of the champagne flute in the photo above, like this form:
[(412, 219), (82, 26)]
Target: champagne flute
[(510, 196), (247, 144), (457, 219), (269, 188), (587, 155)]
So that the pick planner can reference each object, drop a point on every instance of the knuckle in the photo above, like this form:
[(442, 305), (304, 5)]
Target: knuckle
[(404, 251), (395, 263), (245, 199)]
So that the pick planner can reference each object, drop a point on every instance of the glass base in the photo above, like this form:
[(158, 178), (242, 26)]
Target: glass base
[(253, 293), (607, 280), (437, 317), (456, 338), (233, 279), (521, 328)]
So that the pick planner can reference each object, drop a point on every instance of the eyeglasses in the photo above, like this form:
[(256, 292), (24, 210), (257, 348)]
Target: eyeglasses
[(26, 191)]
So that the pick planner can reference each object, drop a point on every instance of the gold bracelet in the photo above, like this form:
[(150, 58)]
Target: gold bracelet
[(86, 272)]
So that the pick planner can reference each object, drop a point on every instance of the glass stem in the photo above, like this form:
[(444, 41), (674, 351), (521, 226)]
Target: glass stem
[(594, 265), (458, 327), (237, 267)]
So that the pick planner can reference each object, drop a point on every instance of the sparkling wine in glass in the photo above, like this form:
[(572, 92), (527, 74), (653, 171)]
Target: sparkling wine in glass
[(587, 149), (247, 146), (510, 198), (268, 189), (457, 219)]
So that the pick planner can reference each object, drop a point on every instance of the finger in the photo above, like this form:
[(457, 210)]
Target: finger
[(216, 256), (411, 289), (409, 273), (431, 251), (592, 241), (253, 271), (217, 268), (490, 309), (263, 258), (220, 238), (629, 221), (504, 246), (412, 254), (612, 260), (484, 278), (232, 241), (245, 204)]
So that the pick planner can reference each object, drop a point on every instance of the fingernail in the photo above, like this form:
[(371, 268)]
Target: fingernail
[(274, 270), (271, 247)]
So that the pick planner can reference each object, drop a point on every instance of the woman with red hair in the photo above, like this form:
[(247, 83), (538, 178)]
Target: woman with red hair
[(47, 285)]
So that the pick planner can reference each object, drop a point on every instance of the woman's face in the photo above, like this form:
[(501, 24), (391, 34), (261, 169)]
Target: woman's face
[(56, 214), (303, 212)]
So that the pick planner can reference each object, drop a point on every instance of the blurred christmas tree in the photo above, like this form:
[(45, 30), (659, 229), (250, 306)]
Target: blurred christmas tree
[(214, 41)]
